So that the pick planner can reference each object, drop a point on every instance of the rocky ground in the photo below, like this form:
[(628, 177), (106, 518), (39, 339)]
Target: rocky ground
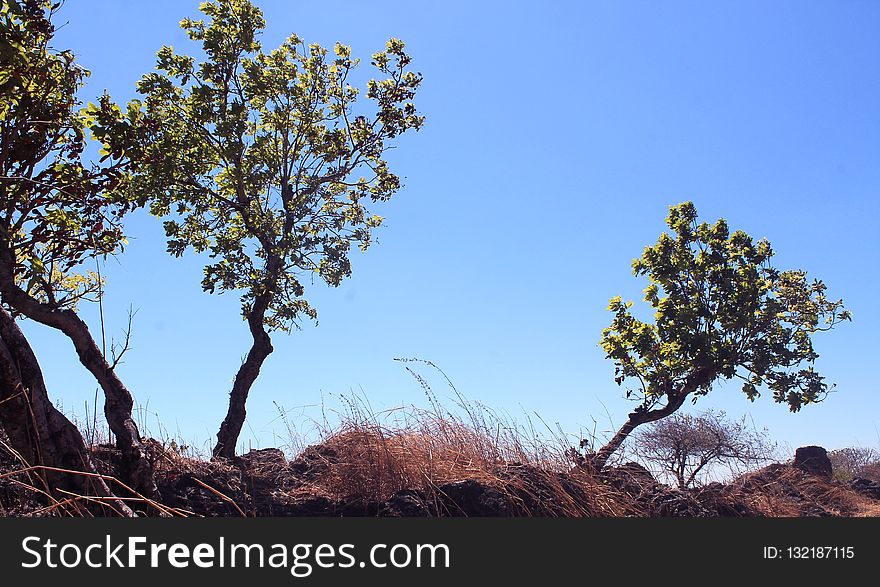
[(323, 481)]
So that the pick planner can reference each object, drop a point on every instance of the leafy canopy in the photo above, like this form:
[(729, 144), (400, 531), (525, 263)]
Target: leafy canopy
[(262, 159), (55, 209), (721, 311)]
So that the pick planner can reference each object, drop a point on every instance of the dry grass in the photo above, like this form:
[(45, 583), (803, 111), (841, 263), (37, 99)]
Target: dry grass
[(377, 461), (369, 457), (870, 510), (784, 491), (37, 500)]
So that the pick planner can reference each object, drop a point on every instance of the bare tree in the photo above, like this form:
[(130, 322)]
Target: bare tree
[(853, 461), (686, 446)]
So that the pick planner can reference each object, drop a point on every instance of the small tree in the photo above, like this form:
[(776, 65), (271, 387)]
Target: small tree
[(263, 162), (686, 446), (55, 210), (721, 311)]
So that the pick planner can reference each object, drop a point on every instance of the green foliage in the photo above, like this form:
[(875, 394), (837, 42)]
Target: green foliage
[(262, 159), (55, 210), (720, 311)]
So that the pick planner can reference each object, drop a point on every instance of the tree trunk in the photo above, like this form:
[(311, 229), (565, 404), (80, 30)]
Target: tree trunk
[(118, 402), (675, 399), (38, 432), (598, 460), (231, 427)]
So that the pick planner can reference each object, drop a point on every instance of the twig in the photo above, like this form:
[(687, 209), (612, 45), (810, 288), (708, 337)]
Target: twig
[(222, 496)]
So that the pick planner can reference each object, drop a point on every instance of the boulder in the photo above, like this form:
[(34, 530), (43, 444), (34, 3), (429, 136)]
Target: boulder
[(314, 461), (655, 499), (813, 460), (472, 498), (405, 504), (263, 457), (866, 487)]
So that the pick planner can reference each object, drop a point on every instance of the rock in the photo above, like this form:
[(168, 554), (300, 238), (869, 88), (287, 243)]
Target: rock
[(358, 508), (866, 487), (405, 504), (655, 499), (261, 458), (630, 477), (531, 491), (813, 460), (720, 500), (264, 471), (314, 461), (473, 498), (191, 492), (315, 506), (670, 502), (632, 471)]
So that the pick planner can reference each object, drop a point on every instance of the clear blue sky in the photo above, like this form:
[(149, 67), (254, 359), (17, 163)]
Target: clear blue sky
[(557, 136)]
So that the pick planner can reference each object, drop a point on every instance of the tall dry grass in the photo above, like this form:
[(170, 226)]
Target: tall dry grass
[(369, 456), (785, 491)]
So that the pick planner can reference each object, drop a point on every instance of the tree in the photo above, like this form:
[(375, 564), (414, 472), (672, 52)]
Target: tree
[(853, 461), (721, 311), (684, 446), (57, 212), (263, 162), (41, 435)]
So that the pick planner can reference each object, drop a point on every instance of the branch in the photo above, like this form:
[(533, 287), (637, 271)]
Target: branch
[(126, 344)]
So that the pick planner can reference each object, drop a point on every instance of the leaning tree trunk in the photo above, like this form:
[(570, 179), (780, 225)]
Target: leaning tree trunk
[(261, 348), (675, 399), (41, 435), (118, 404)]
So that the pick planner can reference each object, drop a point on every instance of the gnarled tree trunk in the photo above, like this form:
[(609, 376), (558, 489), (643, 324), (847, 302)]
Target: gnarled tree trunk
[(231, 427), (42, 436), (674, 400), (118, 404)]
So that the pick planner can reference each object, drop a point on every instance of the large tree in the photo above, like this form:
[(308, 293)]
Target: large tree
[(721, 311), (265, 161), (56, 212)]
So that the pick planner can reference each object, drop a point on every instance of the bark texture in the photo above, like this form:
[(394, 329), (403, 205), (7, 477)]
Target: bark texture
[(118, 404), (38, 432), (674, 400), (231, 427)]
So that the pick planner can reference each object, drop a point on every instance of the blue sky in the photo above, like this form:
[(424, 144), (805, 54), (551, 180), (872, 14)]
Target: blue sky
[(556, 138)]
